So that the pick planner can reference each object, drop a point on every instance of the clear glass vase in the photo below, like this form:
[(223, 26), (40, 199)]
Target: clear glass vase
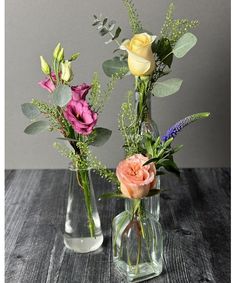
[(147, 125), (83, 232), (137, 244)]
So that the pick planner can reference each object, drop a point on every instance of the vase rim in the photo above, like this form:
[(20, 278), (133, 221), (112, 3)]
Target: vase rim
[(71, 167)]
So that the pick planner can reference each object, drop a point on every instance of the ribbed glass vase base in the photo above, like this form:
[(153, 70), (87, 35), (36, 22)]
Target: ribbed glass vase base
[(138, 273), (83, 245)]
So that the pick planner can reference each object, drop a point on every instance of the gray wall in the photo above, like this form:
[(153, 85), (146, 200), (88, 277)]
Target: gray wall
[(34, 27)]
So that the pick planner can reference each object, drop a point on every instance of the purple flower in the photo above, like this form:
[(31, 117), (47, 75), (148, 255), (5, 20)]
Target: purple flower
[(80, 91), (80, 116), (174, 130), (48, 84)]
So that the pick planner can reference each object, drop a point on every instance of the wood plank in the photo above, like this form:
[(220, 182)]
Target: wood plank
[(195, 217)]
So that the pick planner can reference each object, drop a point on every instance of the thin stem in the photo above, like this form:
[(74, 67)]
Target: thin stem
[(83, 181), (139, 255)]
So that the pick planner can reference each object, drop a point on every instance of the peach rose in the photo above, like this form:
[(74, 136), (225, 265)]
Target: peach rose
[(135, 179)]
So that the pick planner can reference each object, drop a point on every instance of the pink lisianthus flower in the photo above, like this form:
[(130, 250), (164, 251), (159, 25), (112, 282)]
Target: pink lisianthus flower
[(135, 179), (79, 92), (80, 116), (48, 84)]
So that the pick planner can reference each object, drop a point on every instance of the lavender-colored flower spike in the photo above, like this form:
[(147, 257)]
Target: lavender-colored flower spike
[(176, 128)]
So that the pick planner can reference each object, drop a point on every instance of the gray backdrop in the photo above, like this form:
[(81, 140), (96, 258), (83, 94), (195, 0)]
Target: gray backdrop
[(34, 27)]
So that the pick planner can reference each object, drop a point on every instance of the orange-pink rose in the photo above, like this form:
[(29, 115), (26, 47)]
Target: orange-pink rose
[(135, 179)]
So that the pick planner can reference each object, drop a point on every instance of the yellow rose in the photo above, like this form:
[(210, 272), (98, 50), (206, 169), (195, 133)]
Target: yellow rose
[(66, 71), (141, 60)]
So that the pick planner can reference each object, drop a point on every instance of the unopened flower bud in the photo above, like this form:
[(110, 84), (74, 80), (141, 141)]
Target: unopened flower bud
[(56, 51), (60, 56), (66, 71), (74, 56), (44, 66)]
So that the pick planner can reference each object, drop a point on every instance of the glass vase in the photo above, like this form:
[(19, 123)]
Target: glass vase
[(143, 107), (137, 244), (83, 232)]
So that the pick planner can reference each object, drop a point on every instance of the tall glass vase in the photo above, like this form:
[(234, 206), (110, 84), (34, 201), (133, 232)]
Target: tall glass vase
[(83, 232), (137, 243), (147, 125)]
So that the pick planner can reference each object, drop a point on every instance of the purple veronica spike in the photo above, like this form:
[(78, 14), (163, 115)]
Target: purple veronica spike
[(174, 130)]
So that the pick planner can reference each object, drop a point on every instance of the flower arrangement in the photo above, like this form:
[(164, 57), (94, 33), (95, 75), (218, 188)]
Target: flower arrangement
[(73, 111), (147, 58)]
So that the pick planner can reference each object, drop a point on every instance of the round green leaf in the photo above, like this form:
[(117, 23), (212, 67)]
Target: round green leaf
[(184, 44), (167, 87), (102, 135), (36, 127), (29, 110), (113, 66), (62, 95)]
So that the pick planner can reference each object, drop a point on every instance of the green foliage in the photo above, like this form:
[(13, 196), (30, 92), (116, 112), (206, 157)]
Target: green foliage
[(161, 153), (128, 127), (30, 111), (74, 56), (184, 44), (163, 50), (114, 194), (95, 93), (167, 87), (100, 136), (134, 21), (106, 27), (105, 173), (54, 115), (86, 160), (37, 127), (174, 29), (115, 65), (99, 98), (62, 95)]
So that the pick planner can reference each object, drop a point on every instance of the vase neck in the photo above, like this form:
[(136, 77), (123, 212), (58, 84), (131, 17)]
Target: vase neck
[(143, 106)]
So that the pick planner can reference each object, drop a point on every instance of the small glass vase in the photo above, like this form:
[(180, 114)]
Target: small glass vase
[(83, 232), (147, 125), (143, 109), (137, 244)]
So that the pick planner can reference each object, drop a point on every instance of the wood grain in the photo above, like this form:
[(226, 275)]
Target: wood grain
[(195, 216)]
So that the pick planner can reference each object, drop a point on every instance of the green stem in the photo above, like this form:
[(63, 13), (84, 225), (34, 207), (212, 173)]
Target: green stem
[(139, 254), (83, 181)]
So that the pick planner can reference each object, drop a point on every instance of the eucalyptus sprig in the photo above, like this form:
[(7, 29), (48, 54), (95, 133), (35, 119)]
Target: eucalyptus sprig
[(107, 27)]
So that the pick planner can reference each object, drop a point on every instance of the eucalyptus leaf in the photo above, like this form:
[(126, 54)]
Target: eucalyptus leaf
[(117, 33), (29, 110), (113, 66), (36, 127), (104, 21), (184, 44), (62, 95), (96, 22), (167, 87), (103, 31), (102, 135), (108, 41), (111, 25)]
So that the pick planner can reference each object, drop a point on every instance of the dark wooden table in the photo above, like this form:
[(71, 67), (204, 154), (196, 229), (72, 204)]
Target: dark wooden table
[(195, 216)]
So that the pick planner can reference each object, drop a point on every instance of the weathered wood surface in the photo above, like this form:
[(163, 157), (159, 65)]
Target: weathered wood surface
[(195, 216)]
